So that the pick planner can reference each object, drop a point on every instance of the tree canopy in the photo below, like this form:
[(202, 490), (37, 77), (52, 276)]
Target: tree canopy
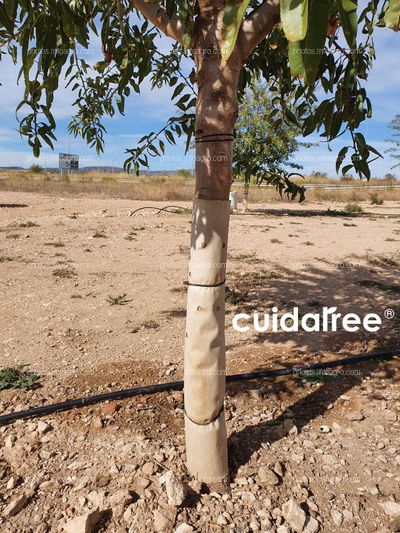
[(316, 47)]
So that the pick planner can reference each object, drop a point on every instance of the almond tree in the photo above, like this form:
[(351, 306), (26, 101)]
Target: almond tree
[(262, 147), (296, 46)]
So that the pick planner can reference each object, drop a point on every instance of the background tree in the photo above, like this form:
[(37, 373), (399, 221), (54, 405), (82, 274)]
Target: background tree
[(36, 169), (263, 147), (295, 46), (394, 140)]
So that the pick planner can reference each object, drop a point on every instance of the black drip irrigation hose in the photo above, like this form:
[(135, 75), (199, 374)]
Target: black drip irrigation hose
[(178, 385)]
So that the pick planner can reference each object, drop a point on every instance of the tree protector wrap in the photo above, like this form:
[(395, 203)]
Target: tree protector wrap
[(204, 375)]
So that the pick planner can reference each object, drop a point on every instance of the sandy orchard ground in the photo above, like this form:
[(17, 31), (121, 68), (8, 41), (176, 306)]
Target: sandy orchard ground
[(61, 261)]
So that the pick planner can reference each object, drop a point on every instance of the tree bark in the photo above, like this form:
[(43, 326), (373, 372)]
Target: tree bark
[(216, 112)]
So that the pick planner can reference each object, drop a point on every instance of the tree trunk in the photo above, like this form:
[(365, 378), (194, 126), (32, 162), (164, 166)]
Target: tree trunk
[(246, 194), (216, 112)]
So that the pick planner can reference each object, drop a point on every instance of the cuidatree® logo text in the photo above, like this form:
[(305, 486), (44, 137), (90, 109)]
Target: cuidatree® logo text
[(328, 320)]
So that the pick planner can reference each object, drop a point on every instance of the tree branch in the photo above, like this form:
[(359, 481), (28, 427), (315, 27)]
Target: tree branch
[(258, 25), (157, 15)]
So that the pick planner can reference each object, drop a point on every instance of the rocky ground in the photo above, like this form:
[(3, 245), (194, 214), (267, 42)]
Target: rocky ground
[(308, 453), (305, 458)]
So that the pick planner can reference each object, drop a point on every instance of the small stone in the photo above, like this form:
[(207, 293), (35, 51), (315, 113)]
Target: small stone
[(31, 427), (97, 423), (267, 476), (294, 515), (84, 523), (129, 514), (391, 508), (347, 515), (96, 498), (161, 523), (43, 427), (337, 517), (9, 441), (312, 525), (184, 528), (266, 523), (114, 470), (355, 416), (120, 497), (254, 525), (282, 529), (298, 456), (324, 429), (221, 520), (13, 482), (48, 485), (102, 480), (175, 489), (328, 459), (141, 483), (312, 506), (390, 415), (395, 525), (109, 408), (278, 469), (256, 394), (148, 468), (15, 506)]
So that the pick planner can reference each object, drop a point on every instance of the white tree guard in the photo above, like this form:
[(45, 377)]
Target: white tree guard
[(206, 443)]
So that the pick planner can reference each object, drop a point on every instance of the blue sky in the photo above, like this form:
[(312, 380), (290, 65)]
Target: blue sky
[(149, 110)]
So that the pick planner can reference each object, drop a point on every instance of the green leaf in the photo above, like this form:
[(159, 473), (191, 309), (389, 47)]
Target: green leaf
[(373, 150), (363, 168), (11, 7), (346, 169), (231, 21), (392, 15), (296, 61), (335, 124), (178, 89), (291, 117), (348, 19), (305, 55), (5, 21), (340, 158), (186, 15), (315, 38), (170, 137), (294, 16)]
